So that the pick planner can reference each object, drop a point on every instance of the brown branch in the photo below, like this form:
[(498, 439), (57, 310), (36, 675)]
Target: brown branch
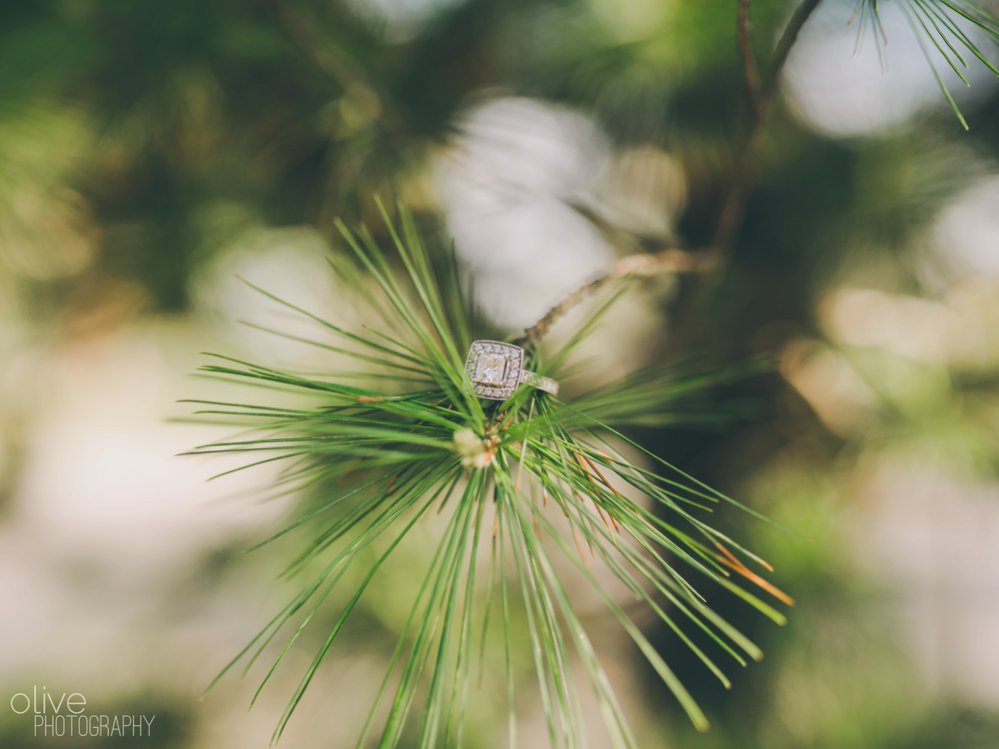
[(784, 45), (730, 215), (639, 265), (750, 72)]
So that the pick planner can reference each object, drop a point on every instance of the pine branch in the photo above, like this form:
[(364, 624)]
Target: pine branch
[(376, 459)]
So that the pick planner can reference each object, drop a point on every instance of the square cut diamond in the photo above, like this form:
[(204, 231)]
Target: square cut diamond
[(490, 369), (494, 368)]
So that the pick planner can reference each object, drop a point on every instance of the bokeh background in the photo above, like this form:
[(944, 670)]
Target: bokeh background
[(152, 151)]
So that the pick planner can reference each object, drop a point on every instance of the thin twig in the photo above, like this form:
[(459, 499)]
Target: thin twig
[(639, 265), (749, 70)]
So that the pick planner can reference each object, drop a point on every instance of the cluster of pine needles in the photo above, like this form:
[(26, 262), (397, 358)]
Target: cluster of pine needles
[(544, 487), (952, 31)]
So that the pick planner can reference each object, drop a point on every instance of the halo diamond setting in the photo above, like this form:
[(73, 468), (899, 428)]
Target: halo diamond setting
[(496, 369)]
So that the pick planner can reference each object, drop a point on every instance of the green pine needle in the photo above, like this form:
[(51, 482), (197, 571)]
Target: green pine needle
[(409, 438), (937, 24)]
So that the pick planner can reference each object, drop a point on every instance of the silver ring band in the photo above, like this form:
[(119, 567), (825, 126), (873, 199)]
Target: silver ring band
[(539, 381), (496, 369)]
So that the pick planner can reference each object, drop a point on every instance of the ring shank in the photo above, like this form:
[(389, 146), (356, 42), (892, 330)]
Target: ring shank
[(547, 384)]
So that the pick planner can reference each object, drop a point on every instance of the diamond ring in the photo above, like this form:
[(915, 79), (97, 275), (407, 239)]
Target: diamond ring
[(496, 369)]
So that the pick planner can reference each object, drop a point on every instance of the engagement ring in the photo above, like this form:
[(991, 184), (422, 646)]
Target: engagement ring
[(496, 369)]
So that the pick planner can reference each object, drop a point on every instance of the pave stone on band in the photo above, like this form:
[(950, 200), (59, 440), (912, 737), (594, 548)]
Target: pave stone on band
[(496, 369)]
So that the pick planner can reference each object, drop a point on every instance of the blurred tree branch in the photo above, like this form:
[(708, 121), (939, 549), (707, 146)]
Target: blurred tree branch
[(749, 69), (674, 259), (733, 206)]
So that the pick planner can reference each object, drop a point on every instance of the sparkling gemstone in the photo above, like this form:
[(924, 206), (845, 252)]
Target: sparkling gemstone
[(490, 369)]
